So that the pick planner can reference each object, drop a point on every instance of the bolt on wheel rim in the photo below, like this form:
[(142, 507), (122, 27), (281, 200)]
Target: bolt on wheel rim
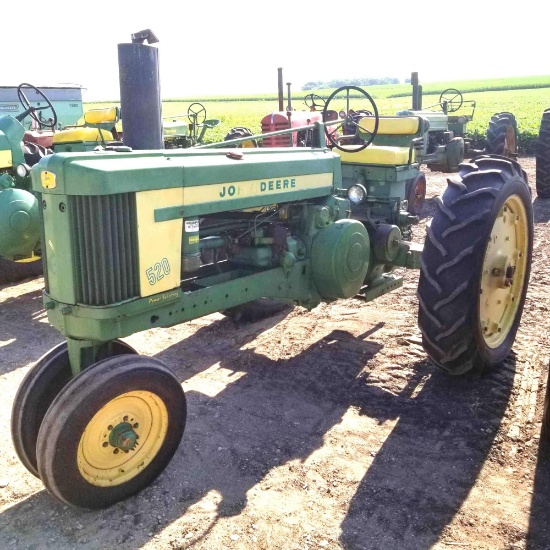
[(122, 438), (503, 272)]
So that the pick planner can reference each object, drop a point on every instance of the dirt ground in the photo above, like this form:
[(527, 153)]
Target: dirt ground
[(315, 430)]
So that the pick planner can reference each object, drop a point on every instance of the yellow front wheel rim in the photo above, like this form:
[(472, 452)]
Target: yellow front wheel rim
[(139, 420), (503, 273)]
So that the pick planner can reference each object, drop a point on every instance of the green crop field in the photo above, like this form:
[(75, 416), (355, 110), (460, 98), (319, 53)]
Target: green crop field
[(525, 97)]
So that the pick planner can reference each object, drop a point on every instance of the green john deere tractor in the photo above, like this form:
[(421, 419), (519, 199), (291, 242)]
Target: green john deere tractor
[(446, 143), (147, 238)]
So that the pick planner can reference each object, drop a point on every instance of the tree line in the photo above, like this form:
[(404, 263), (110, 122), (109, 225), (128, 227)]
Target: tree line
[(319, 85)]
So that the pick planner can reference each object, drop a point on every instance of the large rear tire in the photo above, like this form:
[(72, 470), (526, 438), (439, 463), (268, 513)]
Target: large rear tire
[(502, 136), (475, 266), (12, 272), (543, 157), (546, 412)]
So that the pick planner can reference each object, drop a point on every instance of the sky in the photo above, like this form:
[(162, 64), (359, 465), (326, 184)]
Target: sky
[(213, 47)]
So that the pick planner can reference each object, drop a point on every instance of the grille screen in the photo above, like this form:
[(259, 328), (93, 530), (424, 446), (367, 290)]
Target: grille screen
[(106, 248)]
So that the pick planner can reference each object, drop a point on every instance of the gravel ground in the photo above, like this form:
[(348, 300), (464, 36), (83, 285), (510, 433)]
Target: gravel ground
[(320, 429)]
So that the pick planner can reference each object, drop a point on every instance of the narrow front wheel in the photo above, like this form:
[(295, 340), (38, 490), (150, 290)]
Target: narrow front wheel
[(111, 431)]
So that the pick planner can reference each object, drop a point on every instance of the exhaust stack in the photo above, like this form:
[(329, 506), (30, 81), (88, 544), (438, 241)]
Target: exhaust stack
[(140, 100)]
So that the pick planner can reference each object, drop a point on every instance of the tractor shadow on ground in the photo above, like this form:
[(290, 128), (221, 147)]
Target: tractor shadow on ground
[(541, 210), (25, 334), (266, 414), (538, 536), (427, 209), (429, 463)]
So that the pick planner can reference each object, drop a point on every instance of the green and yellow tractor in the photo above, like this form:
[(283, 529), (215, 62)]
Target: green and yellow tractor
[(142, 238), (446, 143), (20, 149)]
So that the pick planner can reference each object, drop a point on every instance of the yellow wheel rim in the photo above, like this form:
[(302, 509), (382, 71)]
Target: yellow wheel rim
[(144, 417), (504, 270), (248, 144)]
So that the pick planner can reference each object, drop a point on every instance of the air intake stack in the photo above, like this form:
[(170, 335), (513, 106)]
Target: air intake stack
[(140, 100)]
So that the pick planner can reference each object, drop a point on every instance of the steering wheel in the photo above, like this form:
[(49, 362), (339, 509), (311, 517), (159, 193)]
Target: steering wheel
[(313, 101), (453, 98), (26, 103), (349, 120), (197, 112)]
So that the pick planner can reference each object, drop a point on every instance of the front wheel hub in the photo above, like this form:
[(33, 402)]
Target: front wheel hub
[(123, 437)]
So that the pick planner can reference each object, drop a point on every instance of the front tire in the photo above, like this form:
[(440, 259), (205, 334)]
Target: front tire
[(12, 272), (111, 431), (41, 385), (543, 157), (475, 266)]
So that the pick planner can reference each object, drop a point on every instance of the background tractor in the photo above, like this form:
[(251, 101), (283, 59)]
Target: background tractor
[(391, 158), (137, 238), (445, 143), (20, 149), (66, 101), (189, 129), (284, 119)]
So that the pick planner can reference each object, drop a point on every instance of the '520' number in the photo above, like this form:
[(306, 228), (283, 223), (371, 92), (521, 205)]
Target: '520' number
[(158, 271)]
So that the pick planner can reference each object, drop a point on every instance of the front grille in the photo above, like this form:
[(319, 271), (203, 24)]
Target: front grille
[(105, 237), (284, 140)]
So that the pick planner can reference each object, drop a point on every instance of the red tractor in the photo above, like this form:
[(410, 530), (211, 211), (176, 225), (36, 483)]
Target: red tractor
[(283, 119)]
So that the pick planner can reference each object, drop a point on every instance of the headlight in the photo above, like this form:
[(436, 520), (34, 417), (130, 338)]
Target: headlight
[(357, 194), (22, 170)]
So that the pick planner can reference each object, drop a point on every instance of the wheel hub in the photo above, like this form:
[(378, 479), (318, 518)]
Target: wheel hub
[(123, 437)]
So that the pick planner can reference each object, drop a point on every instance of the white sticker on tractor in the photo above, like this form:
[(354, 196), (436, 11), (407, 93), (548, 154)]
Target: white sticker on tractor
[(191, 226)]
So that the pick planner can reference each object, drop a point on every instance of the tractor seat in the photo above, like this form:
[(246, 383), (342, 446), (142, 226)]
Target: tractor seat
[(376, 154), (102, 116), (211, 122), (436, 120), (96, 118), (81, 133), (391, 125)]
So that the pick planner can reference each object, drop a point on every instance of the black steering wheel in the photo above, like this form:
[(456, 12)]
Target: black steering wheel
[(52, 121), (349, 121), (314, 102), (197, 112), (453, 98)]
